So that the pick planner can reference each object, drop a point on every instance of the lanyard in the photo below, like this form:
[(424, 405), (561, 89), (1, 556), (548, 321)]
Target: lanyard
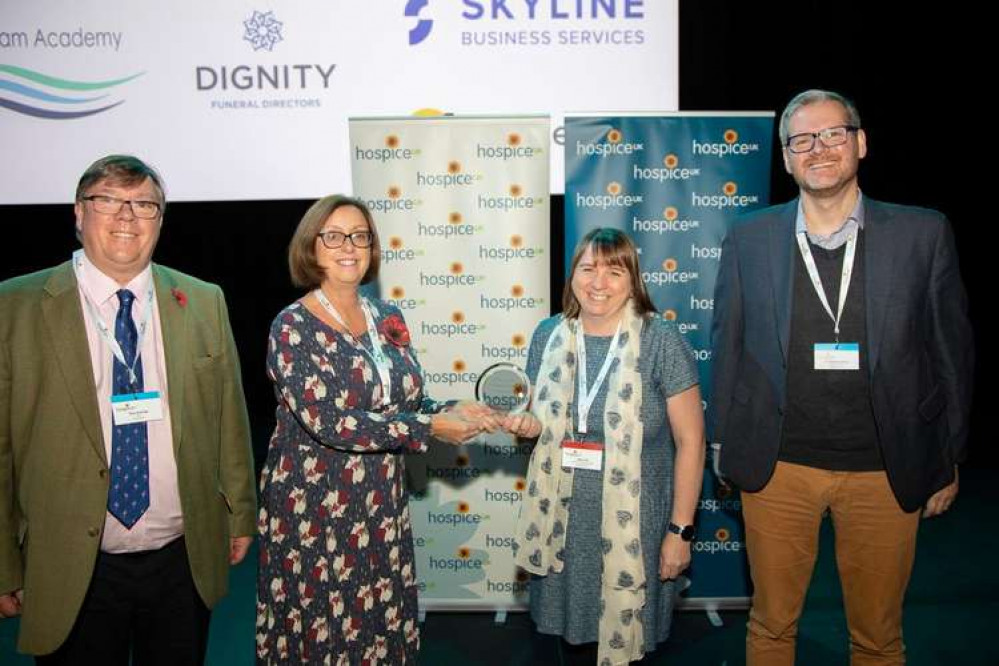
[(586, 397), (844, 282), (377, 354), (104, 330)]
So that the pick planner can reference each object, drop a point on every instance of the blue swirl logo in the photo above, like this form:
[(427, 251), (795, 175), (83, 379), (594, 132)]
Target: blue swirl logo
[(37, 94), (421, 30)]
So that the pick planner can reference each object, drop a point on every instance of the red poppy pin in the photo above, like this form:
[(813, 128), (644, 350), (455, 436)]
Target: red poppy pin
[(179, 296), (395, 331)]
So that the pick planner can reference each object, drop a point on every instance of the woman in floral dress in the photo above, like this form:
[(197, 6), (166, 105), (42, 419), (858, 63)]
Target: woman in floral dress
[(336, 583)]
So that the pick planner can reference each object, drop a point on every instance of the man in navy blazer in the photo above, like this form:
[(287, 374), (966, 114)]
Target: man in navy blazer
[(843, 361)]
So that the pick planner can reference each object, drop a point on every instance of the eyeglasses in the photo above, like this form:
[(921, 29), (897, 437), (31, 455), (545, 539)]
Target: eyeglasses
[(830, 137), (144, 210), (334, 239)]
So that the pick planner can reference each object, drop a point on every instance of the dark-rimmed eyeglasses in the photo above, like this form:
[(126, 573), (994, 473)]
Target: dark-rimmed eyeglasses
[(144, 210), (830, 137), (334, 239)]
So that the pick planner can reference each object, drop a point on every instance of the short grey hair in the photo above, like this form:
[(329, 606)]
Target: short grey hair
[(812, 97)]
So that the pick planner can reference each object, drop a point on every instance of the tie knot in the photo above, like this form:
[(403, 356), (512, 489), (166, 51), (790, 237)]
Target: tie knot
[(125, 298)]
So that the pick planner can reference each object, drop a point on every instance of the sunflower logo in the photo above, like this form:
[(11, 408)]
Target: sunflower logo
[(397, 292), (464, 553), (458, 365), (395, 243), (517, 291), (516, 190), (461, 460), (392, 141), (394, 192), (519, 485), (454, 166), (669, 265), (458, 316), (670, 161), (669, 315), (671, 213), (731, 136), (730, 188), (614, 188), (518, 340), (614, 136), (722, 534), (454, 218), (463, 507), (513, 139), (457, 268)]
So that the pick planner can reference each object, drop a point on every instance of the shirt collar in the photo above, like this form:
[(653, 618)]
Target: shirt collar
[(831, 241), (100, 287)]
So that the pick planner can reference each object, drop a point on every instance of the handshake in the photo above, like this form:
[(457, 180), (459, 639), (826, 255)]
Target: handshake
[(469, 419)]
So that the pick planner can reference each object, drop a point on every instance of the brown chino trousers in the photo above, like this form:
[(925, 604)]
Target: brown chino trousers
[(875, 548)]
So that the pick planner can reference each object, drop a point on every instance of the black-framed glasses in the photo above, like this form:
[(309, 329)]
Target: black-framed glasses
[(830, 138), (144, 210), (334, 239)]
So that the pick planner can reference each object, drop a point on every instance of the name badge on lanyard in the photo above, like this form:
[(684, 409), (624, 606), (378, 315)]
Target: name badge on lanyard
[(582, 455), (833, 355), (129, 408)]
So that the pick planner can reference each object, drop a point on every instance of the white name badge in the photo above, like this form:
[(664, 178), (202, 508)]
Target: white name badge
[(136, 407), (582, 455), (837, 356)]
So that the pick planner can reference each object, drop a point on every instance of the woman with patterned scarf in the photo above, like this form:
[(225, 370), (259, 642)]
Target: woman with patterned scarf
[(615, 476)]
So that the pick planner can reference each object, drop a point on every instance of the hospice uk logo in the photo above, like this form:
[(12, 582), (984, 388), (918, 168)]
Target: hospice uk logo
[(43, 95), (729, 145)]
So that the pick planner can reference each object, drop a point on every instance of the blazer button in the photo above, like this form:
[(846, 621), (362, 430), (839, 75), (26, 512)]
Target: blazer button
[(93, 531), (103, 473)]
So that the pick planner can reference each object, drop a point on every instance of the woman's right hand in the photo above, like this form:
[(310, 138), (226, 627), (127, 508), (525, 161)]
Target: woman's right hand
[(524, 425), (451, 428)]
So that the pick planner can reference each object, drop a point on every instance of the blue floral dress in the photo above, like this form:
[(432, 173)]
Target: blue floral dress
[(336, 583)]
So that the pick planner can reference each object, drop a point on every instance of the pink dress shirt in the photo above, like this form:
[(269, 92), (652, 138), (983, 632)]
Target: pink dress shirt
[(163, 521)]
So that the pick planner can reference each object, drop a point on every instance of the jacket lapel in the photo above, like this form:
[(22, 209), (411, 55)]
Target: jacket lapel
[(62, 313), (879, 260), (781, 256), (173, 328)]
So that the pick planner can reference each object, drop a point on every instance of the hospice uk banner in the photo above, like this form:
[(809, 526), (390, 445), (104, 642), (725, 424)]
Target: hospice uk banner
[(675, 183), (462, 209), (214, 94)]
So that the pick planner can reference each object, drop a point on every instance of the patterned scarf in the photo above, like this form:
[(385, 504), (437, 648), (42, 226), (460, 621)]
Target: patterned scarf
[(540, 534)]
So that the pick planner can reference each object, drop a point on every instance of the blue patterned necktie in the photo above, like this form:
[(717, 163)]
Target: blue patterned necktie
[(129, 495)]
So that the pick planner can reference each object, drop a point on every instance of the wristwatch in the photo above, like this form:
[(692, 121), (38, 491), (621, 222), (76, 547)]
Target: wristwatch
[(686, 532)]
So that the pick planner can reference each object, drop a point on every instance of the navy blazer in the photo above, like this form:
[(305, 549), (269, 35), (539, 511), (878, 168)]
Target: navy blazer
[(920, 346)]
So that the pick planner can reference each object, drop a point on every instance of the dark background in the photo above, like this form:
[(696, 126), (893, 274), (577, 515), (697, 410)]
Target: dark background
[(915, 76)]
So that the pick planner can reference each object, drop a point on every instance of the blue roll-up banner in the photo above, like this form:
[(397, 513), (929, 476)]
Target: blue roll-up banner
[(674, 183)]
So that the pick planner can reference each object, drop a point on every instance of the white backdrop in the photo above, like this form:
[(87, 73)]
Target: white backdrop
[(249, 100)]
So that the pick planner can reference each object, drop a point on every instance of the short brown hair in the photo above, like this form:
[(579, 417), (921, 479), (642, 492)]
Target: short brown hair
[(305, 270), (812, 97), (123, 170), (614, 248)]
